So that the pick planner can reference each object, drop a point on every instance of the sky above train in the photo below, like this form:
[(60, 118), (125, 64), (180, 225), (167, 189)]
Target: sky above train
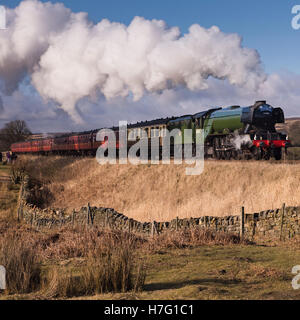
[(132, 60)]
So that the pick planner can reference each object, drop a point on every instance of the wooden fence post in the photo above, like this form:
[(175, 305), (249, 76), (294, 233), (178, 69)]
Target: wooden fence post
[(282, 219), (61, 219), (106, 220), (91, 216), (20, 200), (177, 224), (88, 213), (130, 226), (153, 229), (73, 217), (242, 223)]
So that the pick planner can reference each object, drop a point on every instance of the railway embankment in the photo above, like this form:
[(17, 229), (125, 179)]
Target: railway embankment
[(164, 192), (280, 224)]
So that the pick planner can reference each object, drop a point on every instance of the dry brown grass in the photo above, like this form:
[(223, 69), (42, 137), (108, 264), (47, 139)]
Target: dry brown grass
[(109, 261), (194, 237), (107, 268), (23, 271), (163, 192)]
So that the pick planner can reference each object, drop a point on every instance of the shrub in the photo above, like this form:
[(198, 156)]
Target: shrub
[(194, 237), (111, 270), (23, 271), (108, 269), (17, 173)]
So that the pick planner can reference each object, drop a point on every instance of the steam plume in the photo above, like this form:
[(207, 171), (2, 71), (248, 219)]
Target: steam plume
[(68, 58)]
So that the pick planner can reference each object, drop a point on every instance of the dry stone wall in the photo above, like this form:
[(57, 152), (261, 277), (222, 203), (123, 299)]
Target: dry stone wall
[(280, 223)]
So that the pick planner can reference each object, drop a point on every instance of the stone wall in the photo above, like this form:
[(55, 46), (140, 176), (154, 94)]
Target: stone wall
[(280, 223)]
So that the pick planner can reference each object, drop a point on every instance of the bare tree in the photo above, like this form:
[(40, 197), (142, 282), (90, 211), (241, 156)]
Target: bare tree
[(12, 132)]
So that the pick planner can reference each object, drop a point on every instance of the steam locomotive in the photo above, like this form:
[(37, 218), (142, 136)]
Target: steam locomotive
[(229, 133)]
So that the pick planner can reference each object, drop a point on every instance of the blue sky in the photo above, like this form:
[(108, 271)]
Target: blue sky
[(264, 25)]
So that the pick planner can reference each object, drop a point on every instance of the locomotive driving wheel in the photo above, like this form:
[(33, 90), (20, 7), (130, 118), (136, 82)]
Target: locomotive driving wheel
[(266, 155), (278, 154), (228, 155)]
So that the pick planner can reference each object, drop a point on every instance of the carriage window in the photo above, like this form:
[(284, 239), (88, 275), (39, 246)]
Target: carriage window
[(152, 133), (144, 133), (131, 135), (157, 132)]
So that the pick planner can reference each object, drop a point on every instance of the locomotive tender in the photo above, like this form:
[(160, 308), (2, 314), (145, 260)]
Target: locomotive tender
[(229, 133)]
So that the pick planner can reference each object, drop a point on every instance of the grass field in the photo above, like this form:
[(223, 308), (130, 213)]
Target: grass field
[(175, 267), (236, 272), (205, 273), (8, 193)]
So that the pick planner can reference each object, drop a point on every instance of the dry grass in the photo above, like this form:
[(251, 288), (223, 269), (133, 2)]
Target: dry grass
[(195, 237), (163, 192), (109, 261), (80, 242), (107, 269), (23, 271)]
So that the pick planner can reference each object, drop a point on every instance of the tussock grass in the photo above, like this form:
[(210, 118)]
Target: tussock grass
[(195, 237), (9, 193), (111, 270), (23, 271), (110, 261), (163, 192)]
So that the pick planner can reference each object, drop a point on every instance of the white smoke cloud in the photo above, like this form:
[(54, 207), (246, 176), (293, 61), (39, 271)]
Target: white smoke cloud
[(29, 28), (239, 140), (69, 58), (101, 73)]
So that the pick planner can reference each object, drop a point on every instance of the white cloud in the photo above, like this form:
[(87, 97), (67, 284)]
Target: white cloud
[(86, 75)]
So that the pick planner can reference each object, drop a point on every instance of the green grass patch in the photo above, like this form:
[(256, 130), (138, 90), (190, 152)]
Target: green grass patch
[(237, 272), (253, 272)]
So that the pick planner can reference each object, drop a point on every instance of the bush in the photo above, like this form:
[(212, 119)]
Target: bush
[(112, 271), (23, 272), (108, 269), (195, 237), (17, 173)]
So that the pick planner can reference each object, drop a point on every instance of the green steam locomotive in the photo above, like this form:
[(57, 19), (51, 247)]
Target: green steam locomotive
[(229, 133)]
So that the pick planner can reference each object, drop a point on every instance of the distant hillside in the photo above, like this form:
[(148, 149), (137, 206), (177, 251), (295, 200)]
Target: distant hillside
[(292, 127)]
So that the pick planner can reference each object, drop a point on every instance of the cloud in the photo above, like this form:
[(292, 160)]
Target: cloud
[(69, 58), (1, 105), (60, 71)]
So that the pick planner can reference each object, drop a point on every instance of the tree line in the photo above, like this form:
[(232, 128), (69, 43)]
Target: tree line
[(13, 131)]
